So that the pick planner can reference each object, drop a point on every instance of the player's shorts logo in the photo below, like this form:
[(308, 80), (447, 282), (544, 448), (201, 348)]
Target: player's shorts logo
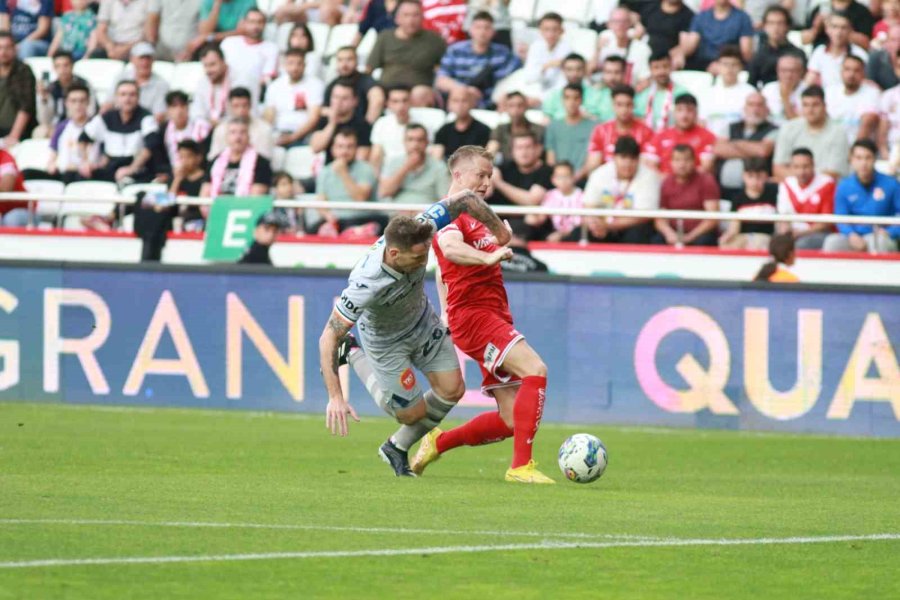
[(491, 352), (408, 379)]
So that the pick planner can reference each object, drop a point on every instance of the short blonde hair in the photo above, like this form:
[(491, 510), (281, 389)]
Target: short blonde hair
[(469, 152)]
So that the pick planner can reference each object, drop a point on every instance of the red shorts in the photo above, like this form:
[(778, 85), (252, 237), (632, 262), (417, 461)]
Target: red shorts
[(487, 338)]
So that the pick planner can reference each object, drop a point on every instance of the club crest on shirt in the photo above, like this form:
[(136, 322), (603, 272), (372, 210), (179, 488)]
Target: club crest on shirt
[(878, 194), (408, 379)]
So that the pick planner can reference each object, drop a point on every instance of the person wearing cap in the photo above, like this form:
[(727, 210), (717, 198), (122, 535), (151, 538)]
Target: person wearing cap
[(153, 88), (121, 24), (268, 226)]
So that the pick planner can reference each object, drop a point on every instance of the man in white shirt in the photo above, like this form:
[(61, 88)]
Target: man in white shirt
[(783, 95), (294, 100), (249, 57), (616, 41), (889, 125), (724, 104), (543, 65), (153, 88), (69, 159), (389, 131), (240, 107), (854, 103), (210, 101), (825, 61)]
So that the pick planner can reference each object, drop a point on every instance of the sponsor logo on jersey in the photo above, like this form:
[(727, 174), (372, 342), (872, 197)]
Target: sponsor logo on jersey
[(482, 243), (491, 353), (408, 379), (348, 304)]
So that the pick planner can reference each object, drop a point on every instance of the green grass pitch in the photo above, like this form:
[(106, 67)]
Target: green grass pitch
[(248, 505)]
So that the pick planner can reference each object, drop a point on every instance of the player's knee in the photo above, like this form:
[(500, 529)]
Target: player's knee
[(537, 368), (406, 418), (506, 414), (453, 394)]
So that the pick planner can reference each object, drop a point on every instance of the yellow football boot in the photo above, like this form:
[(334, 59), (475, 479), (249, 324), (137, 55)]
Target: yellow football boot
[(527, 473), (427, 452)]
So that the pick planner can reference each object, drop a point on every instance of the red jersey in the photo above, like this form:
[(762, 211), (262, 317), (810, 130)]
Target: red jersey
[(662, 144), (445, 17), (472, 286), (817, 198), (605, 136), (8, 167)]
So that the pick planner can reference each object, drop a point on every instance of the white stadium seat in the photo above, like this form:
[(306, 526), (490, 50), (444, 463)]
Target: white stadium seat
[(50, 187), (164, 69), (284, 34), (537, 117), (340, 36), (39, 65), (491, 118), (366, 45), (431, 118), (186, 77), (796, 38), (32, 154), (569, 10), (299, 162), (522, 10), (100, 73), (583, 41), (696, 82), (319, 33), (278, 157), (87, 189)]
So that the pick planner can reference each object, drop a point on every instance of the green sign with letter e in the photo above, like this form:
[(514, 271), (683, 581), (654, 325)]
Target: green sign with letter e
[(230, 225)]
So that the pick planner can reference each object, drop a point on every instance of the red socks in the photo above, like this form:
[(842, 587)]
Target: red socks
[(527, 417), (486, 428)]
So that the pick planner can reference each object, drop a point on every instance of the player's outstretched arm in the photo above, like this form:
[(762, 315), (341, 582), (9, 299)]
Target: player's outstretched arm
[(338, 408), (457, 251)]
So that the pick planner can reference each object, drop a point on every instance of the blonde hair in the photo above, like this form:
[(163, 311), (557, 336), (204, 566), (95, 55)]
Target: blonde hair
[(469, 152)]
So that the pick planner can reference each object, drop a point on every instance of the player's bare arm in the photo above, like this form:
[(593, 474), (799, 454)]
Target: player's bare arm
[(457, 251), (470, 202), (329, 342)]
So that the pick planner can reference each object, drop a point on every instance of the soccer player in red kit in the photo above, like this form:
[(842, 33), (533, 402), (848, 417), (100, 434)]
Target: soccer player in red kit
[(478, 314)]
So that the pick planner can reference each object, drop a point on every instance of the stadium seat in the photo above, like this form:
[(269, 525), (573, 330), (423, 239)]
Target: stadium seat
[(884, 166), (100, 73), (284, 34), (431, 118), (583, 41), (696, 82), (46, 210), (319, 32), (39, 65), (537, 117), (32, 154), (87, 189), (186, 77), (298, 162), (164, 69), (366, 45), (491, 118), (522, 10), (340, 36), (796, 38), (278, 157), (570, 10)]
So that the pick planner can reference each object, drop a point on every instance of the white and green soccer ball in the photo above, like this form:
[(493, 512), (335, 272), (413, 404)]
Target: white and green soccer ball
[(582, 458)]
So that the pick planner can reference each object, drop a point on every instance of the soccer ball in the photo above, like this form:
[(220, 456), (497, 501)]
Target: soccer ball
[(582, 458)]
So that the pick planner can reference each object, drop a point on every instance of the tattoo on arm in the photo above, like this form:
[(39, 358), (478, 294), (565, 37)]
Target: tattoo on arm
[(340, 330)]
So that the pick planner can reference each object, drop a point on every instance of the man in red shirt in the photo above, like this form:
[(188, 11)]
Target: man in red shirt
[(805, 192), (477, 310), (687, 132), (12, 214), (687, 189), (603, 139)]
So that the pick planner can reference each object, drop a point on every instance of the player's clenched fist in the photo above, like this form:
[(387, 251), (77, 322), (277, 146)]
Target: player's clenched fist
[(336, 416), (498, 256)]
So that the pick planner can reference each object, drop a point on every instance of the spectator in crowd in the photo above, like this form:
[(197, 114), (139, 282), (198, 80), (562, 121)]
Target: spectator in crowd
[(725, 102), (126, 133), (75, 33), (814, 130), (773, 44), (301, 39), (596, 102), (889, 123), (477, 64), (663, 22), (545, 56), (711, 30), (294, 100), (805, 192), (330, 12), (123, 23), (17, 97), (153, 88), (29, 23), (240, 106), (654, 104), (568, 138), (499, 11), (890, 16), (210, 101), (187, 180), (854, 103), (342, 114), (445, 18), (865, 192), (239, 170), (616, 41), (783, 95), (882, 68), (565, 194), (604, 137), (268, 226), (757, 198), (752, 137), (179, 127), (501, 137), (219, 19), (857, 16), (415, 178), (686, 131), (374, 16), (348, 179), (623, 183), (408, 54), (249, 55), (825, 62), (781, 249), (285, 188), (465, 130), (687, 189), (12, 214), (522, 180), (179, 21), (390, 131), (370, 95), (51, 105), (71, 160)]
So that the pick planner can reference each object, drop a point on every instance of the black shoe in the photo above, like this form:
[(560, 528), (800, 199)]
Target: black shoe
[(397, 458), (344, 347)]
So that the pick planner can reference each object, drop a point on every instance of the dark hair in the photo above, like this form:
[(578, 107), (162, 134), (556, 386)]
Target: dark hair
[(346, 131), (731, 51), (814, 91), (176, 97), (305, 28), (210, 47), (856, 58), (404, 232), (255, 9), (402, 2), (63, 54), (803, 151), (295, 52), (397, 87), (615, 59), (781, 11), (627, 146), (683, 148), (415, 127), (7, 35), (191, 146), (279, 175), (574, 56), (346, 83), (483, 15), (78, 87), (565, 165), (128, 82), (688, 99), (574, 87), (526, 134), (756, 165), (622, 90), (865, 144), (240, 92), (781, 246), (515, 94), (551, 16), (346, 49), (658, 56)]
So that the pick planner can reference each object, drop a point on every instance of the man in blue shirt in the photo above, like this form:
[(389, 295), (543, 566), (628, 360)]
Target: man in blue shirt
[(721, 25), (29, 22), (477, 63), (865, 192)]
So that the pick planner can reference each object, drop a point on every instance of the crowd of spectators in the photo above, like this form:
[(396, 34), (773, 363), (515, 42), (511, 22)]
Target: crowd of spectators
[(782, 128)]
